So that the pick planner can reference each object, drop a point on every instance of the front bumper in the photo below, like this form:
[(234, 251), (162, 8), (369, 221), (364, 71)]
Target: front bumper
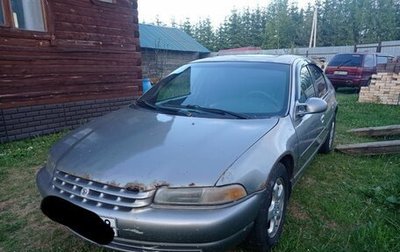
[(157, 228)]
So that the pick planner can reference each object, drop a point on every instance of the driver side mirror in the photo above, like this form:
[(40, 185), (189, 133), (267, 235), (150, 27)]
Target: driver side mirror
[(313, 105)]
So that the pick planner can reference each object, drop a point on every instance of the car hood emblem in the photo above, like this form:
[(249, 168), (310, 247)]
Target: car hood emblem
[(85, 191)]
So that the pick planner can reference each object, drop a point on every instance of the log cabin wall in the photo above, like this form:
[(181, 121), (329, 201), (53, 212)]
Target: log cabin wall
[(83, 61)]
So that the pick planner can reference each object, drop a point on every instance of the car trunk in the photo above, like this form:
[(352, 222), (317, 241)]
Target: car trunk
[(343, 71)]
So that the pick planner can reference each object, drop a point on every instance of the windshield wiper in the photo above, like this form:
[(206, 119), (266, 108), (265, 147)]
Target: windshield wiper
[(216, 111), (146, 104), (163, 109)]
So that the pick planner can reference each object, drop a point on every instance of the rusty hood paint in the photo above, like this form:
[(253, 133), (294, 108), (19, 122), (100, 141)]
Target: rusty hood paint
[(135, 146)]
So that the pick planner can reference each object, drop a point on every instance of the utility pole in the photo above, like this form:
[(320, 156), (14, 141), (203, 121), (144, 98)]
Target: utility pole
[(313, 36)]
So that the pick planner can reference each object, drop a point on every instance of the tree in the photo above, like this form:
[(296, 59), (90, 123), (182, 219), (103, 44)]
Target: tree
[(257, 28), (340, 22), (278, 32), (187, 27), (204, 34)]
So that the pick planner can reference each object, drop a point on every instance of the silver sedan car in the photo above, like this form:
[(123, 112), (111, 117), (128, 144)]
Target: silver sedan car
[(204, 160)]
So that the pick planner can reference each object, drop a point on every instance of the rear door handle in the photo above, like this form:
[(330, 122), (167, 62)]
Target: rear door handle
[(323, 118)]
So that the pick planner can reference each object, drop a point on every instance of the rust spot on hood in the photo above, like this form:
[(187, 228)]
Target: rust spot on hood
[(137, 187), (157, 184)]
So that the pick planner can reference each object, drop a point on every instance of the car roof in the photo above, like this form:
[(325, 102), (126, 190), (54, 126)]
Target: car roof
[(282, 59)]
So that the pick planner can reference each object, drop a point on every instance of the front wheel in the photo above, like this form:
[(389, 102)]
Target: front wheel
[(268, 225)]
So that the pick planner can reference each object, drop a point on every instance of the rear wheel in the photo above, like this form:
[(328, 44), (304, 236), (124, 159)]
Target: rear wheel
[(268, 225), (327, 146)]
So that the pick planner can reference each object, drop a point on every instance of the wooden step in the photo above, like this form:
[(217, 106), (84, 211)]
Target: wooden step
[(371, 148), (390, 130)]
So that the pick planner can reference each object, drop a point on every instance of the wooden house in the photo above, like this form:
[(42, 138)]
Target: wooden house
[(64, 62)]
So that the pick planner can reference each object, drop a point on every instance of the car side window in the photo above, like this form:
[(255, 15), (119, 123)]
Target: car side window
[(320, 85), (369, 60), (306, 85), (382, 59)]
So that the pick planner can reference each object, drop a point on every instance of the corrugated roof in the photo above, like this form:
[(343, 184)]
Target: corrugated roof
[(166, 38)]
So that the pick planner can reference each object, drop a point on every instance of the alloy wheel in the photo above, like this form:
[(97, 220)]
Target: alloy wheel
[(275, 210)]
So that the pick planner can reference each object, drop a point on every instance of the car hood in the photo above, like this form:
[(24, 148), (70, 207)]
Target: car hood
[(139, 147)]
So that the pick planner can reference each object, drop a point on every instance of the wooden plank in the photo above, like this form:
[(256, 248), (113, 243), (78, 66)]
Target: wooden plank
[(85, 46), (24, 34), (390, 130), (104, 13), (24, 42), (32, 78), (123, 6), (131, 90), (57, 84), (119, 87), (21, 62), (21, 54), (71, 47), (77, 19), (371, 148), (10, 69), (88, 28), (95, 36), (66, 98)]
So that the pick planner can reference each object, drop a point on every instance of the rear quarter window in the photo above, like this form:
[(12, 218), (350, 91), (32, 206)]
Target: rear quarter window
[(350, 60), (382, 59)]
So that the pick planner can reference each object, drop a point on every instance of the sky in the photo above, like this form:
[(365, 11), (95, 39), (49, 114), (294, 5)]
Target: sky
[(179, 10)]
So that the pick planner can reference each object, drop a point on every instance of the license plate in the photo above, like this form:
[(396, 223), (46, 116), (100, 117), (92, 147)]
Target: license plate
[(340, 72), (112, 223)]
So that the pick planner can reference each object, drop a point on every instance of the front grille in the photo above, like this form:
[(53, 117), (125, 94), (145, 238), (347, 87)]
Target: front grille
[(98, 194)]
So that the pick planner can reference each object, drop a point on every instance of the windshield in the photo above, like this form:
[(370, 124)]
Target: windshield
[(224, 89), (350, 60)]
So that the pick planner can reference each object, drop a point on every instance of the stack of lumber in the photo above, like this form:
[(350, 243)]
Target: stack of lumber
[(384, 89)]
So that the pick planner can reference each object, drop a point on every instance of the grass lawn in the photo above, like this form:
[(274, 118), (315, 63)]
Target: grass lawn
[(342, 203)]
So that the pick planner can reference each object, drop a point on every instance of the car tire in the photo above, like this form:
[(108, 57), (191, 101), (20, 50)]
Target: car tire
[(327, 146), (268, 224)]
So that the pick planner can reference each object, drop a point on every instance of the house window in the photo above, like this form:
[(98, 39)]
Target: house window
[(28, 14), (1, 14), (23, 14)]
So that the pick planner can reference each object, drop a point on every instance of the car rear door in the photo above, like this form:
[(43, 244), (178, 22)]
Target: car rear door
[(308, 127), (322, 91)]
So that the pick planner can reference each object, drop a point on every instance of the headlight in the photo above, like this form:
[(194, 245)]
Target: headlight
[(199, 195), (50, 164)]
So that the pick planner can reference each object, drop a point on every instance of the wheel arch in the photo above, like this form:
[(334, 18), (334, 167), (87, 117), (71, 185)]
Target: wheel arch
[(288, 161)]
